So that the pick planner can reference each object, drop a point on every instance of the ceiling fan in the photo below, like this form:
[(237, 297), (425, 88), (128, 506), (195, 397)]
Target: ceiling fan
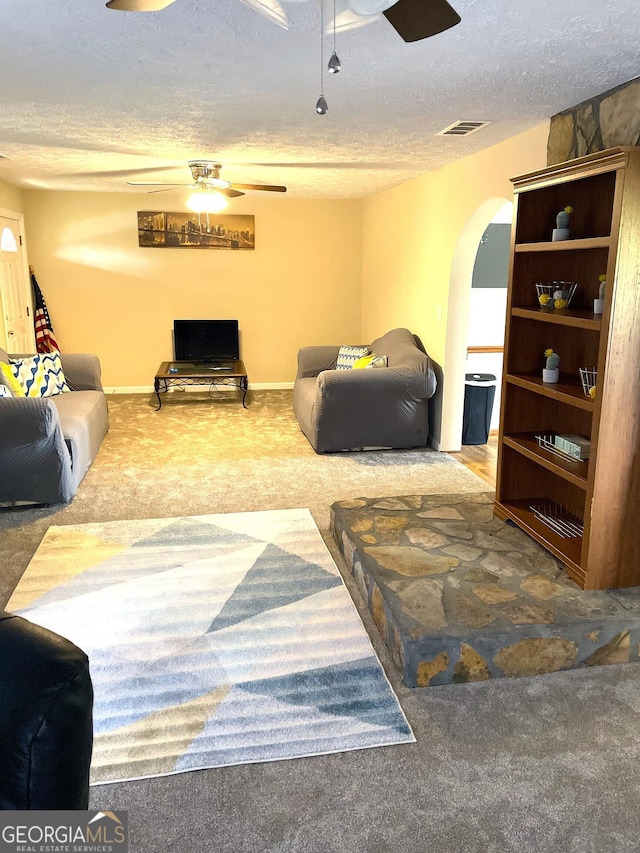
[(206, 177), (413, 20), (209, 191)]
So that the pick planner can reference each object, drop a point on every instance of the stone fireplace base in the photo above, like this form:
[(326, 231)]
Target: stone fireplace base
[(459, 595)]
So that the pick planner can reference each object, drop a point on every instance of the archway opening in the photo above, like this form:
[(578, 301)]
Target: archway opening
[(461, 277)]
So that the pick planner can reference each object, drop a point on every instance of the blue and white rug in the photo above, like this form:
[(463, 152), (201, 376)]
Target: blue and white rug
[(213, 640)]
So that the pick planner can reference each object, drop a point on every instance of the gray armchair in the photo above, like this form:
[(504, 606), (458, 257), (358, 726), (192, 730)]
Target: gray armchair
[(48, 443), (356, 409)]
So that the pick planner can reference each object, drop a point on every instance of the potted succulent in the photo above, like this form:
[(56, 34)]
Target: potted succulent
[(598, 304), (561, 231), (551, 369)]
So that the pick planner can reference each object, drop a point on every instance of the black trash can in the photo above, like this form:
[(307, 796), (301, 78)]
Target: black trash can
[(479, 393)]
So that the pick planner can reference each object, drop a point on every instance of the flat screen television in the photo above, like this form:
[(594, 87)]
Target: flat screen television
[(206, 340)]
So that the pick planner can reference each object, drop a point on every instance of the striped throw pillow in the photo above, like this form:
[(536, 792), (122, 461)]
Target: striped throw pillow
[(347, 356)]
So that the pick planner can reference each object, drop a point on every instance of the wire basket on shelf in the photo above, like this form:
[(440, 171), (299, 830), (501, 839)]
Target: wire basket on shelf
[(571, 448), (588, 377), (555, 294), (547, 442), (563, 522)]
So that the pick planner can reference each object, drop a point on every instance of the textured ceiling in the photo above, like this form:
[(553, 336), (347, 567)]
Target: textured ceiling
[(91, 97)]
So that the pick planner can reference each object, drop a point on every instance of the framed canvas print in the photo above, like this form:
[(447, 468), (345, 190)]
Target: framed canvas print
[(158, 230)]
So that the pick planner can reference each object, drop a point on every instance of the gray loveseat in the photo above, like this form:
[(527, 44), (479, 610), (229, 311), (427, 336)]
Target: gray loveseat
[(356, 409), (48, 443)]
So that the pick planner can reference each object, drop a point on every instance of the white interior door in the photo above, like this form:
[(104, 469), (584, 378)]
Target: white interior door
[(15, 290)]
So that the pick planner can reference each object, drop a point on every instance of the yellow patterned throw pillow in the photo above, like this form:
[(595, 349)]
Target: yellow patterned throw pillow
[(40, 375), (365, 361), (8, 378), (369, 361)]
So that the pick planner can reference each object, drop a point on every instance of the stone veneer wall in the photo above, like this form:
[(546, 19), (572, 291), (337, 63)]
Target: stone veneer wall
[(605, 121)]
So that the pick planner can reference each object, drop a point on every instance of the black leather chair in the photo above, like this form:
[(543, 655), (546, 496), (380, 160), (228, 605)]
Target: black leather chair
[(46, 718)]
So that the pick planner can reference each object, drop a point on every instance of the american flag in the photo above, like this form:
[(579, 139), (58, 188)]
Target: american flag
[(45, 341)]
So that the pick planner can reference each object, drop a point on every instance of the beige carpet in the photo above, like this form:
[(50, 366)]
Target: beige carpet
[(508, 765), (197, 456)]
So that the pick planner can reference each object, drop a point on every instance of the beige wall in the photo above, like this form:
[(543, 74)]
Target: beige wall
[(105, 294), (419, 244), (10, 197)]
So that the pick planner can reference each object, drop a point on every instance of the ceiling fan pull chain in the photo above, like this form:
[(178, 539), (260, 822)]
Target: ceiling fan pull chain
[(321, 104), (334, 63)]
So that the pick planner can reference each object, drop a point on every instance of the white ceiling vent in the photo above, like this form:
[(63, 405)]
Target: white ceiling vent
[(462, 128)]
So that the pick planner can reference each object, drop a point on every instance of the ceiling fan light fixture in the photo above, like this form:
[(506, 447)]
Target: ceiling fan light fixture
[(207, 174), (214, 183), (206, 200)]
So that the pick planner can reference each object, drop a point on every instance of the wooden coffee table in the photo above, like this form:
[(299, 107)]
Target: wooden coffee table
[(181, 373)]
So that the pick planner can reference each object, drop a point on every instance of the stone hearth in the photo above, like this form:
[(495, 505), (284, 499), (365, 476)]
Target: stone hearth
[(459, 595)]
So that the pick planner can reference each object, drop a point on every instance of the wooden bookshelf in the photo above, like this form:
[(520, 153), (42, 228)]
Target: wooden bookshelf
[(603, 493)]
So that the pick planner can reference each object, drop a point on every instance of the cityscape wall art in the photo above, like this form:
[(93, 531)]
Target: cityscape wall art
[(158, 230)]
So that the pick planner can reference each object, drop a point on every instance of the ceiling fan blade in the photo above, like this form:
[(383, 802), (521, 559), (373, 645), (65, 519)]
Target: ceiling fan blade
[(414, 20), (139, 5), (266, 187), (229, 192)]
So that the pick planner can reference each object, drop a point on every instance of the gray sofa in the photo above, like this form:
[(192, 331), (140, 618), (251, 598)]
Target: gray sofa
[(356, 409), (48, 443)]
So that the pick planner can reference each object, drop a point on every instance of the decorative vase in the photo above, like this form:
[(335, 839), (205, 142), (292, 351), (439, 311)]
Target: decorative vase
[(550, 376), (559, 234), (598, 306)]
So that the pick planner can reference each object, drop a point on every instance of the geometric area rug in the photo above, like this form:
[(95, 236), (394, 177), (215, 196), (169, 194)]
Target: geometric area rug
[(212, 640)]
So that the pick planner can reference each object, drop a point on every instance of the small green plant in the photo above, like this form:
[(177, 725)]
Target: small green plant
[(562, 219), (603, 286), (552, 359)]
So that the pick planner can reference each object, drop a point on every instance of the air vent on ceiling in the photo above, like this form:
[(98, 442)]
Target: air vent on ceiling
[(462, 128)]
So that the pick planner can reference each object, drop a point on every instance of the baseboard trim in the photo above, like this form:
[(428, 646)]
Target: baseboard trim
[(270, 386), (148, 389)]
